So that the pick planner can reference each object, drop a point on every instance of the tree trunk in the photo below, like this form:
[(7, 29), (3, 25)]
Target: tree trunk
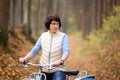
[(61, 13), (12, 14), (26, 22), (105, 8), (4, 18), (4, 12), (86, 23), (21, 11), (35, 17)]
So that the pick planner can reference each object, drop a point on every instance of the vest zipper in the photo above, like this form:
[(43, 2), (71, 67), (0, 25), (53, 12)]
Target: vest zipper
[(50, 49)]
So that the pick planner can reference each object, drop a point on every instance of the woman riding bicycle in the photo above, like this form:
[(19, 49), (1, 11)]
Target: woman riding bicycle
[(55, 48)]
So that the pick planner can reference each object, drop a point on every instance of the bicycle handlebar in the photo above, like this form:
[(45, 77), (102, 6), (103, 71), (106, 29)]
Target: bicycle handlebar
[(51, 66), (47, 66)]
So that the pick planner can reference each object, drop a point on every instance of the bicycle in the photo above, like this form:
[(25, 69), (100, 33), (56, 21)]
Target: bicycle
[(38, 75)]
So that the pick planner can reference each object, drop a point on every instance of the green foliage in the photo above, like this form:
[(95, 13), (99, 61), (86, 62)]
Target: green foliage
[(96, 39), (78, 34), (112, 23), (71, 25), (34, 8), (32, 40)]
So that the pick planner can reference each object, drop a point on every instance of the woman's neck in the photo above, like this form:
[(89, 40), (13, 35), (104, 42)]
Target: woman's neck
[(53, 32)]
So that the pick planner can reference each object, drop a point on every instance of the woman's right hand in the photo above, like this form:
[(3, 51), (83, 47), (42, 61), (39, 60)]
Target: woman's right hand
[(21, 60)]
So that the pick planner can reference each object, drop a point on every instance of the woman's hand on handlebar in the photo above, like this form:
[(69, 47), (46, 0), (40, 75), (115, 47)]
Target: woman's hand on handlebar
[(21, 60), (58, 63), (26, 58)]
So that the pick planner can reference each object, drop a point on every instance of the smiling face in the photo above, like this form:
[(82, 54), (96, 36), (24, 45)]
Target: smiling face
[(53, 23), (54, 27)]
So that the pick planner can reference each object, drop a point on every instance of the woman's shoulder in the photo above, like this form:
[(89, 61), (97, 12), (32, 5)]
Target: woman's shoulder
[(62, 33), (44, 33)]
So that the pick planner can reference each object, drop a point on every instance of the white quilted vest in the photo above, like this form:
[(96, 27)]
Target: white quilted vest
[(51, 45)]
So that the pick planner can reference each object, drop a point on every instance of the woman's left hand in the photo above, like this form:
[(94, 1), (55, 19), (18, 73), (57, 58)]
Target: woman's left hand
[(57, 63)]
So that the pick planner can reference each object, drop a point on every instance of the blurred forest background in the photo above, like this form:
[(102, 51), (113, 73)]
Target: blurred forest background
[(93, 27)]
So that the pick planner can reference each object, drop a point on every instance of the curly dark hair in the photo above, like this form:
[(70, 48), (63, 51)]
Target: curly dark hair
[(50, 18)]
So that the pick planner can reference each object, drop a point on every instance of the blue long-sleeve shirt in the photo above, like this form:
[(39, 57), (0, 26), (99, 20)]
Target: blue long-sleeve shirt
[(37, 47)]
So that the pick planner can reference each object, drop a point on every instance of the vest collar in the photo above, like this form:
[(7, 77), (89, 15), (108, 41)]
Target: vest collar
[(53, 34)]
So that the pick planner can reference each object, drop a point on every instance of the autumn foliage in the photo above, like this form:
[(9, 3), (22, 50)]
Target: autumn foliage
[(100, 56)]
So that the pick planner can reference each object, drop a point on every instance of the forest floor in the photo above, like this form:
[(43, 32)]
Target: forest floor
[(19, 46)]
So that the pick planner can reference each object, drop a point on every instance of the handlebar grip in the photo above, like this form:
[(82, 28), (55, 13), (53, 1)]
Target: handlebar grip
[(25, 62), (61, 62)]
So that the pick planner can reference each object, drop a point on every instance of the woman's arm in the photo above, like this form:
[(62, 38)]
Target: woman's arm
[(65, 50), (33, 51)]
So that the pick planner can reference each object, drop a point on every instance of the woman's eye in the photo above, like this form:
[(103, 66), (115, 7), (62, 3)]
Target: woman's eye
[(53, 23)]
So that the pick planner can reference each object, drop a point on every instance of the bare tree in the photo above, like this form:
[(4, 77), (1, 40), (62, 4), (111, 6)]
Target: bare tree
[(27, 15), (4, 18), (88, 13), (12, 13)]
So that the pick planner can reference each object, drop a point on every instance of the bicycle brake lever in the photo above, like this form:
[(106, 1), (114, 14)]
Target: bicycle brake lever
[(25, 66)]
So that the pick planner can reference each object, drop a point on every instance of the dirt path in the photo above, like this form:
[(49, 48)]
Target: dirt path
[(76, 61), (75, 44)]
